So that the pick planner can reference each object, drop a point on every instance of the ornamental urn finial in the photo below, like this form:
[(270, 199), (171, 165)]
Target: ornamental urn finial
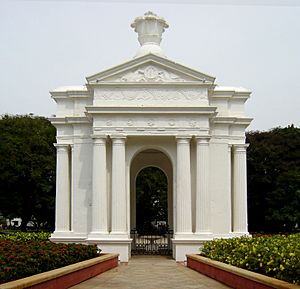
[(149, 28)]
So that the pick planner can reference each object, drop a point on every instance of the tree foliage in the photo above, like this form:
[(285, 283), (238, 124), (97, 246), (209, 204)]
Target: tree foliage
[(27, 169), (151, 198), (274, 179)]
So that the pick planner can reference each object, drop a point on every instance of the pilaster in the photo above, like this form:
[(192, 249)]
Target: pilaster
[(230, 185), (240, 224), (62, 218), (183, 187), (99, 190), (203, 211), (118, 198)]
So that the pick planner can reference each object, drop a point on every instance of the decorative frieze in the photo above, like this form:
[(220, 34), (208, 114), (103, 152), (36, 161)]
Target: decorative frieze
[(150, 74), (141, 94)]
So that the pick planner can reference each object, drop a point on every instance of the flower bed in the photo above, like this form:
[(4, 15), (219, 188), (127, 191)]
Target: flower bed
[(274, 256), (19, 259), (66, 277), (233, 276)]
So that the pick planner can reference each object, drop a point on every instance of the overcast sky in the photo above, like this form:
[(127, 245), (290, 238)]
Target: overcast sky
[(254, 44)]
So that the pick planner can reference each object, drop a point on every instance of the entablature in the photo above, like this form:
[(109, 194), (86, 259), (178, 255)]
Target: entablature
[(200, 132), (68, 120), (70, 92), (208, 110), (232, 120), (230, 92)]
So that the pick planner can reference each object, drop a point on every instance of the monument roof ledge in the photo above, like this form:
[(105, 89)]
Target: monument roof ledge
[(70, 88), (232, 88)]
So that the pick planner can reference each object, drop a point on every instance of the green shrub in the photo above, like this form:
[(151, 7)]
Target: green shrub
[(275, 256), (26, 236), (19, 259)]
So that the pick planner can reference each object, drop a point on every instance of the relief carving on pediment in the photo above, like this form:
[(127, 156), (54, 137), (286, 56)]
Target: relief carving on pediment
[(153, 94), (151, 74)]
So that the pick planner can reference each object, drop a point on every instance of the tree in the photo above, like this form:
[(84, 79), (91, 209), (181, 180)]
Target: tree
[(27, 169), (151, 198), (274, 179)]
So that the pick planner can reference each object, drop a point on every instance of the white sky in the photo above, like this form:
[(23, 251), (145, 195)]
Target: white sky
[(254, 44)]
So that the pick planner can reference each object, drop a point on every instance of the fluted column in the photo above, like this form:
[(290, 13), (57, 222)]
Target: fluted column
[(183, 188), (71, 162), (230, 186), (240, 224), (118, 198), (62, 218), (203, 213), (100, 198)]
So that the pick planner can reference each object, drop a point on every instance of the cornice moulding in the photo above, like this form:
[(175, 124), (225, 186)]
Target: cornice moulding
[(232, 120), (68, 120), (153, 59), (77, 119), (69, 88), (231, 94), (151, 110), (70, 95), (150, 84)]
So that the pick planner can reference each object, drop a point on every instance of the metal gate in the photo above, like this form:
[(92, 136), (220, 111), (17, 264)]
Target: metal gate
[(153, 243)]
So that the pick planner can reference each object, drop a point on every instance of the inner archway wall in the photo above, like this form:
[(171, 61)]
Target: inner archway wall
[(150, 152)]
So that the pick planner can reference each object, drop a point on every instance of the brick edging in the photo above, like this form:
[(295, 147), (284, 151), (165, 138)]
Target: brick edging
[(233, 276), (67, 276)]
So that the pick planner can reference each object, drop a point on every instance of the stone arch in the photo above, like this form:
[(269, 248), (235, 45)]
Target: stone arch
[(150, 157)]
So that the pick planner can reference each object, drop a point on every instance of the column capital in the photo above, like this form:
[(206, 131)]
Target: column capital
[(118, 139), (98, 136), (62, 147), (239, 148), (99, 140), (202, 139), (183, 139)]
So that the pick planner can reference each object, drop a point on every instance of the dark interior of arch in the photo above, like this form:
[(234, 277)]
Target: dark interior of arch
[(151, 201)]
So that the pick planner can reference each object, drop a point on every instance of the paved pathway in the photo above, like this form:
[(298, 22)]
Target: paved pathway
[(151, 272)]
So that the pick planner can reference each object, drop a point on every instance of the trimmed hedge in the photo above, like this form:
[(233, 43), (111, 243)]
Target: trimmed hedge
[(25, 236), (275, 256), (19, 259)]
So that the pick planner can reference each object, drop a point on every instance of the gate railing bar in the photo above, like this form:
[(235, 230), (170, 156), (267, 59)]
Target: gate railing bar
[(153, 243)]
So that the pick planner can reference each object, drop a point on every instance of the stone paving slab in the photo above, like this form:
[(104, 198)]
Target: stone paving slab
[(151, 272)]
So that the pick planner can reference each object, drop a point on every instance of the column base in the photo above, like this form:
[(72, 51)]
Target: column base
[(182, 247), (121, 235), (240, 234), (68, 237), (204, 235), (97, 235), (116, 246), (184, 236)]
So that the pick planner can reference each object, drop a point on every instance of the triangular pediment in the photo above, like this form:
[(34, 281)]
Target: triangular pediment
[(150, 69)]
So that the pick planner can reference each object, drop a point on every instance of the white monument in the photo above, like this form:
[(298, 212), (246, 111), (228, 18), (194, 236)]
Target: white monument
[(150, 111)]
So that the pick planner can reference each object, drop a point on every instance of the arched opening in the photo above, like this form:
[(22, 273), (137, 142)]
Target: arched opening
[(151, 201)]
